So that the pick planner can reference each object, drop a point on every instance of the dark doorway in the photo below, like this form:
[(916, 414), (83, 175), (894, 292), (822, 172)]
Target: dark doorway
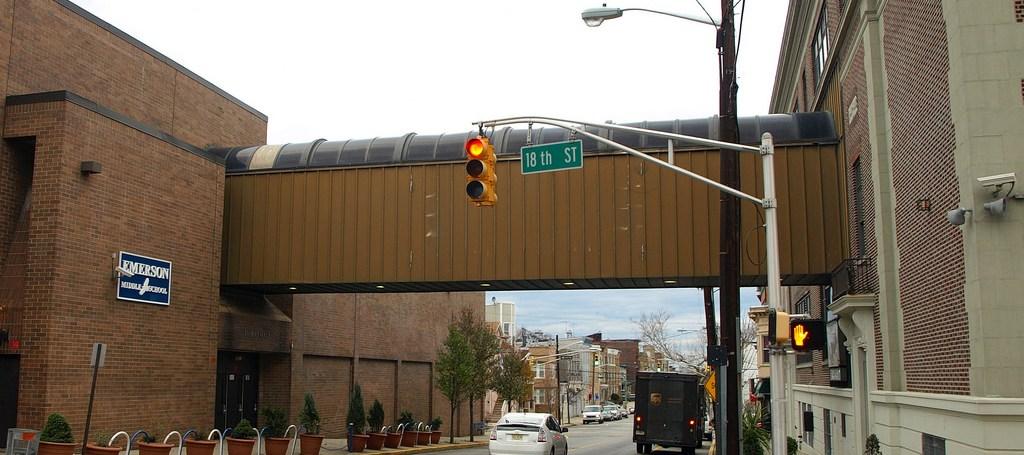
[(9, 367), (237, 380)]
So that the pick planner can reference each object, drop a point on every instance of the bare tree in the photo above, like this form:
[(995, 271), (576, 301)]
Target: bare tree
[(691, 353)]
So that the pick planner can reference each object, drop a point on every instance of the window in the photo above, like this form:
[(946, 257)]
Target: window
[(539, 371), (826, 300), (821, 45), (538, 395), (858, 209), (843, 424), (765, 353), (932, 445), (807, 422), (507, 328)]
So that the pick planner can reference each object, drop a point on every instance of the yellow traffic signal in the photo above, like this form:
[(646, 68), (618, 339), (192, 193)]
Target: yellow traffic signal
[(807, 335), (778, 326), (480, 165)]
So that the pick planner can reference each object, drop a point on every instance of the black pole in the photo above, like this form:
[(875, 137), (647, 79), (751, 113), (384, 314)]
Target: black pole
[(729, 258), (558, 380), (92, 393)]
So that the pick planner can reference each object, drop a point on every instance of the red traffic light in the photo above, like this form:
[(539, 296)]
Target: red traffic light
[(475, 147)]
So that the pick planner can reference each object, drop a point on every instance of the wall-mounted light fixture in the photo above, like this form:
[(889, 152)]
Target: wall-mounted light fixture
[(956, 216), (90, 167)]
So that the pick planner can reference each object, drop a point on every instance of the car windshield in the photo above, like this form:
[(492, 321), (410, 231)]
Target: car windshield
[(609, 408), (592, 409), (518, 426)]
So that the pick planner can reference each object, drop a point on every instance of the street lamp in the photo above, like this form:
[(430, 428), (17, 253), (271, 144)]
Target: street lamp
[(594, 17)]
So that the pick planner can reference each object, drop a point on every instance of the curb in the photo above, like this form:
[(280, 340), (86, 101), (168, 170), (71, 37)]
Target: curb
[(414, 450)]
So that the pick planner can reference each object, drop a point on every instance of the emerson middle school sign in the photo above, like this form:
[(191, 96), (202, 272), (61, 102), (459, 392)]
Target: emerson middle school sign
[(143, 279)]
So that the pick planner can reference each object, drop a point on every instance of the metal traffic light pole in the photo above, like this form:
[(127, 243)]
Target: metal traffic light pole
[(768, 203)]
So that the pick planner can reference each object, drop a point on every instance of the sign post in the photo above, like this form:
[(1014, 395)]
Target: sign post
[(99, 357), (557, 156)]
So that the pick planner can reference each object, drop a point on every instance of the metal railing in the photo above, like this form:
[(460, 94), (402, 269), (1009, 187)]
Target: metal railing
[(854, 276)]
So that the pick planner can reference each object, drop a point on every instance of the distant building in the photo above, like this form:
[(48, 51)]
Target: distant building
[(504, 314)]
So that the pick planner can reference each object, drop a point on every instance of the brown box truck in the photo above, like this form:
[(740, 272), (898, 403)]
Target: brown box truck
[(669, 411)]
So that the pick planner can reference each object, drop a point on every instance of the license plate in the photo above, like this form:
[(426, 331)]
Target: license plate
[(517, 437)]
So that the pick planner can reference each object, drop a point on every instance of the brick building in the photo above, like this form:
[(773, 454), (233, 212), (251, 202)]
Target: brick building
[(927, 97), (80, 92)]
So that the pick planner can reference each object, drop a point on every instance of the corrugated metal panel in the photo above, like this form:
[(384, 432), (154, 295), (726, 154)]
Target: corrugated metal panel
[(615, 223)]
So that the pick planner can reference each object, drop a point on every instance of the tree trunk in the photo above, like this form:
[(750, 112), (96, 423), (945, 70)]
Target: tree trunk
[(451, 426), (471, 418)]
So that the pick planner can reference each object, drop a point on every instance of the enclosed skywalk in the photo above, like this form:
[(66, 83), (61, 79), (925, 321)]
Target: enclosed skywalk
[(390, 214)]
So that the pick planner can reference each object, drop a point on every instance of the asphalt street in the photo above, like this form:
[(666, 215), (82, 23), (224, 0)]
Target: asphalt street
[(609, 438)]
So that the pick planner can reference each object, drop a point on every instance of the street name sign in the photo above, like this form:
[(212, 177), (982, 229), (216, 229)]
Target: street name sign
[(552, 157)]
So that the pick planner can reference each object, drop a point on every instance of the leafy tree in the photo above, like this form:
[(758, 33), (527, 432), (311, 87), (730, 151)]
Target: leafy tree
[(310, 417), (616, 398), (513, 377), (484, 347), (376, 417), (873, 447), (356, 411), (56, 430), (454, 371)]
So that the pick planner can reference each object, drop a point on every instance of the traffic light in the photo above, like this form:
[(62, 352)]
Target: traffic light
[(778, 326), (807, 335), (597, 361), (480, 163)]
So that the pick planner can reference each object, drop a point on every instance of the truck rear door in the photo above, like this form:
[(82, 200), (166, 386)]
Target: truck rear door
[(664, 421)]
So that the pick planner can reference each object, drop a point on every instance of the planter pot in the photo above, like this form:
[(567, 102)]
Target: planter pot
[(56, 448), (197, 447), (91, 449), (309, 444), (392, 440), (359, 442), (276, 446), (239, 446), (423, 438), (376, 441), (409, 438), (435, 436), (154, 448)]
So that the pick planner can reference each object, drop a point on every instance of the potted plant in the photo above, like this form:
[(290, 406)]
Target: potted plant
[(357, 421), (423, 436), (56, 439), (101, 446), (376, 421), (872, 446), (276, 424), (149, 446), (309, 418), (408, 436), (199, 445), (241, 439), (435, 430)]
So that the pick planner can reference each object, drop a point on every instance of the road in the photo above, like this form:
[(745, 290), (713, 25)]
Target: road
[(609, 438)]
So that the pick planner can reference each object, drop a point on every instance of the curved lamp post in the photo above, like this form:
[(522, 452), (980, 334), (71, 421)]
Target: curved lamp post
[(594, 17)]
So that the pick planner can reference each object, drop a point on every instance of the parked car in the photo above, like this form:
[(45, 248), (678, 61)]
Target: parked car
[(611, 413), (592, 414), (623, 414), (528, 433)]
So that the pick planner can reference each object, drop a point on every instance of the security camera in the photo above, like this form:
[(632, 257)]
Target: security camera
[(997, 180), (996, 207), (122, 272), (956, 216)]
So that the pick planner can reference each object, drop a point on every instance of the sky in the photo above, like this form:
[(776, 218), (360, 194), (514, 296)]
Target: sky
[(361, 69)]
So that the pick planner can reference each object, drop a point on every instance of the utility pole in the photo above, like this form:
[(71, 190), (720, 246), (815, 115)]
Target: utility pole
[(729, 240), (558, 380)]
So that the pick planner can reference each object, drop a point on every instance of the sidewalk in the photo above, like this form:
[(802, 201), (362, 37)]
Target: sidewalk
[(338, 446)]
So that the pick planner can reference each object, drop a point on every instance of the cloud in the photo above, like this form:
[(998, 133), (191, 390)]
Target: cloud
[(611, 312)]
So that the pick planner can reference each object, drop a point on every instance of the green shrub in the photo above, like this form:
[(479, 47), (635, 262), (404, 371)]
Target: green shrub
[(406, 418), (102, 439), (376, 417), (872, 446), (56, 430), (148, 437), (756, 440), (275, 421), (356, 411), (435, 424), (243, 430), (791, 446), (310, 417)]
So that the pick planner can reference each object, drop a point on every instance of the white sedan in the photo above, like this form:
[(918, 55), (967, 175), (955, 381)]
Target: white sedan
[(528, 433)]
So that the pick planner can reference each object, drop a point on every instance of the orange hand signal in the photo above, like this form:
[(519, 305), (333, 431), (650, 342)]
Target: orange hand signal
[(799, 335)]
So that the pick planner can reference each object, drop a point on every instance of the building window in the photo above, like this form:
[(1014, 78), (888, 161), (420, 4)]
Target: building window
[(539, 371), (826, 300), (858, 209), (507, 328), (538, 396), (932, 445), (843, 424), (803, 306), (765, 353), (820, 45), (807, 423)]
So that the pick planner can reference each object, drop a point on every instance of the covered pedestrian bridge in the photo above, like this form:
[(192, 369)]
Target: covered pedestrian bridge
[(391, 215)]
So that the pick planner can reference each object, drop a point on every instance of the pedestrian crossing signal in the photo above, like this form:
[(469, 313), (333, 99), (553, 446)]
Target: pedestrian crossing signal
[(807, 335), (778, 327)]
